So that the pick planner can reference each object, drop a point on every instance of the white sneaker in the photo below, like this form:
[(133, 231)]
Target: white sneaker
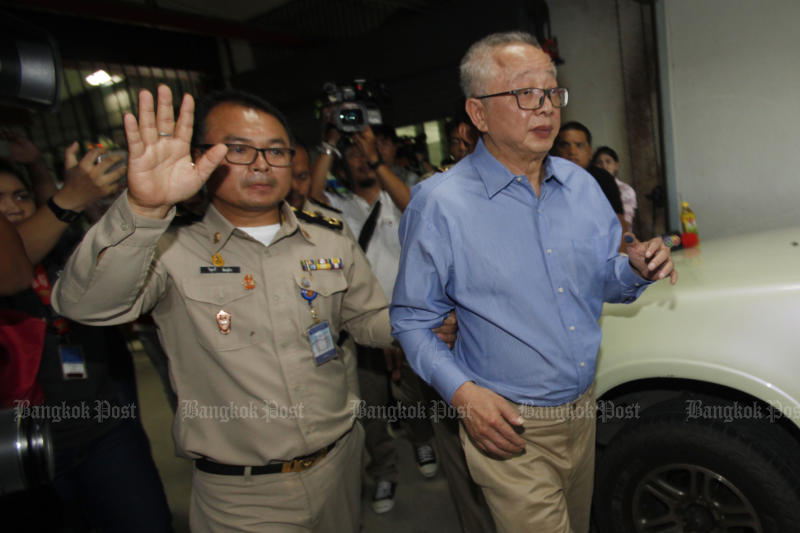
[(426, 460), (383, 497)]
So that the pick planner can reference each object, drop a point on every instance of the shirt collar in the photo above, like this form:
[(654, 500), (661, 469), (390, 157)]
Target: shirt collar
[(496, 176), (219, 229)]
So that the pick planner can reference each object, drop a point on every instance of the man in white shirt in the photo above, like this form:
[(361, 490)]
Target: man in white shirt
[(373, 210)]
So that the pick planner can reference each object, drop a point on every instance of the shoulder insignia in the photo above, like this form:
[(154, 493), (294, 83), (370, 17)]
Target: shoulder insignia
[(323, 204), (316, 218)]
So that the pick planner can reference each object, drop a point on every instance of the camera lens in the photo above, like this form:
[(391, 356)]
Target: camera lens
[(26, 452), (351, 116)]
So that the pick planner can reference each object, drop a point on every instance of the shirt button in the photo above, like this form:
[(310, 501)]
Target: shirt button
[(583, 364), (561, 289), (519, 179), (276, 298), (539, 210), (572, 328), (549, 250), (124, 226), (636, 284)]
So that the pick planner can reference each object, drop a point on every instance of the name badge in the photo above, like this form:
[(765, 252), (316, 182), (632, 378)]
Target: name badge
[(73, 365), (322, 346), (219, 270)]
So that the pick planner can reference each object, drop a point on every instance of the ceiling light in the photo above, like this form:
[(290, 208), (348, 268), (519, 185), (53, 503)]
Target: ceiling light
[(99, 77)]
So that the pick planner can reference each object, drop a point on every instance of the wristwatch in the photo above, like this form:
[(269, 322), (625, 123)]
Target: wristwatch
[(64, 215), (376, 164)]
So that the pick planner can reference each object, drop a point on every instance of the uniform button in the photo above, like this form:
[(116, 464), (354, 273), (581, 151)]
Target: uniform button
[(572, 328), (519, 180), (539, 210), (124, 226), (638, 284), (549, 251), (561, 289), (583, 364)]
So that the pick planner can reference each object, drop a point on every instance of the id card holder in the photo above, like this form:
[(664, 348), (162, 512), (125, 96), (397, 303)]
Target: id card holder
[(322, 346), (73, 365)]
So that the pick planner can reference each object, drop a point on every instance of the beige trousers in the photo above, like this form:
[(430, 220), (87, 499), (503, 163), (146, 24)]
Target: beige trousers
[(548, 487), (324, 499)]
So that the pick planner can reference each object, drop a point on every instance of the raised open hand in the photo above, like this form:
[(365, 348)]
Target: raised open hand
[(160, 168)]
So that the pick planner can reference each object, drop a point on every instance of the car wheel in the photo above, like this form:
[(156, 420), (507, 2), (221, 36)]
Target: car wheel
[(666, 474)]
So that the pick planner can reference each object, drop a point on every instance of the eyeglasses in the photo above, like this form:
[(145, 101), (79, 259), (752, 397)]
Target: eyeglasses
[(244, 154), (533, 98)]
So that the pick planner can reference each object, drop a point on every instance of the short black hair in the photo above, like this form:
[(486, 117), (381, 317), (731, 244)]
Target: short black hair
[(575, 125), (607, 151), (386, 131), (459, 116), (8, 167), (233, 96)]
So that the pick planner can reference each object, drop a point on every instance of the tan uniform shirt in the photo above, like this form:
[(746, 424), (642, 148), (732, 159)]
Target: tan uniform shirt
[(256, 394)]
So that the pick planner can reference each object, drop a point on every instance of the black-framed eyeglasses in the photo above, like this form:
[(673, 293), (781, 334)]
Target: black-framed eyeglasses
[(532, 98), (244, 154)]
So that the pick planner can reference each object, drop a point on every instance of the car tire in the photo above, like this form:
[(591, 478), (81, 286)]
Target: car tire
[(665, 473)]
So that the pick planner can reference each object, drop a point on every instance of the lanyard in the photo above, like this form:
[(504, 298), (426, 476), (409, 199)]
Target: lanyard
[(41, 286)]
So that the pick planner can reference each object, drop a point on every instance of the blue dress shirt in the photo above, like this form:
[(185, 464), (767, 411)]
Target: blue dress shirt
[(526, 275)]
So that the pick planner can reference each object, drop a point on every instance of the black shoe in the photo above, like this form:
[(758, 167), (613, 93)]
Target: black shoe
[(383, 497), (426, 460)]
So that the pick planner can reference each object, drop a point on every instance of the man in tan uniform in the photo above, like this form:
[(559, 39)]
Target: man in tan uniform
[(249, 303)]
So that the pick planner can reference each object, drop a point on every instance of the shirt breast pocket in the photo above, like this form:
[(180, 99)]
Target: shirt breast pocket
[(329, 286), (587, 259), (246, 314)]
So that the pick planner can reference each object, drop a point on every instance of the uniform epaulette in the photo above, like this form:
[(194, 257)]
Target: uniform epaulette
[(323, 204), (316, 218)]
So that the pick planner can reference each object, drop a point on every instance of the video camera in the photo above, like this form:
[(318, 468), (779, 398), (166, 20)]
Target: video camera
[(355, 105)]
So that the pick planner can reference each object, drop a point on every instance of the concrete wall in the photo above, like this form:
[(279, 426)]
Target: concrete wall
[(732, 75), (588, 40)]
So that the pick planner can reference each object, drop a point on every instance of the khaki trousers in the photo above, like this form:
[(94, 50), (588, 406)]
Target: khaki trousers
[(473, 512), (323, 499), (548, 487)]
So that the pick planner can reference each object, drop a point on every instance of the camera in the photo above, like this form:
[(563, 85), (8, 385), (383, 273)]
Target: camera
[(26, 452), (354, 105)]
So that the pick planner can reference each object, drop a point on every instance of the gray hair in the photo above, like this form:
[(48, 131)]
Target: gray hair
[(478, 64)]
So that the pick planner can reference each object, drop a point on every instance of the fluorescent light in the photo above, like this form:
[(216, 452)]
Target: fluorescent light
[(99, 77)]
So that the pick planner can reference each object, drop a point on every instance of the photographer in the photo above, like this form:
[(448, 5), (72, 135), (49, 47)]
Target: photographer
[(372, 207), (105, 477)]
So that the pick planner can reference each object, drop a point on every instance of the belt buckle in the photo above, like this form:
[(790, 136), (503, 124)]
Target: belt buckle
[(303, 463)]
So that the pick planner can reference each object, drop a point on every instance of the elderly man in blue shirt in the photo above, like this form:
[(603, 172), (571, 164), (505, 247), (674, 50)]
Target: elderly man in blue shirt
[(524, 247)]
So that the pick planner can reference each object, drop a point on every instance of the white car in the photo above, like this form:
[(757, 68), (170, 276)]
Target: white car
[(698, 388)]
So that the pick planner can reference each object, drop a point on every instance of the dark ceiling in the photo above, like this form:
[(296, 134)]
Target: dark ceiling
[(413, 46)]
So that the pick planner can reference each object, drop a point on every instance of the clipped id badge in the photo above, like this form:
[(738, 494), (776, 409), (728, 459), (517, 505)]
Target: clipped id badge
[(322, 346), (73, 365)]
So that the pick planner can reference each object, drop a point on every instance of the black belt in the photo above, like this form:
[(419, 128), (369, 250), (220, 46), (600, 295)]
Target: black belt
[(298, 464)]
